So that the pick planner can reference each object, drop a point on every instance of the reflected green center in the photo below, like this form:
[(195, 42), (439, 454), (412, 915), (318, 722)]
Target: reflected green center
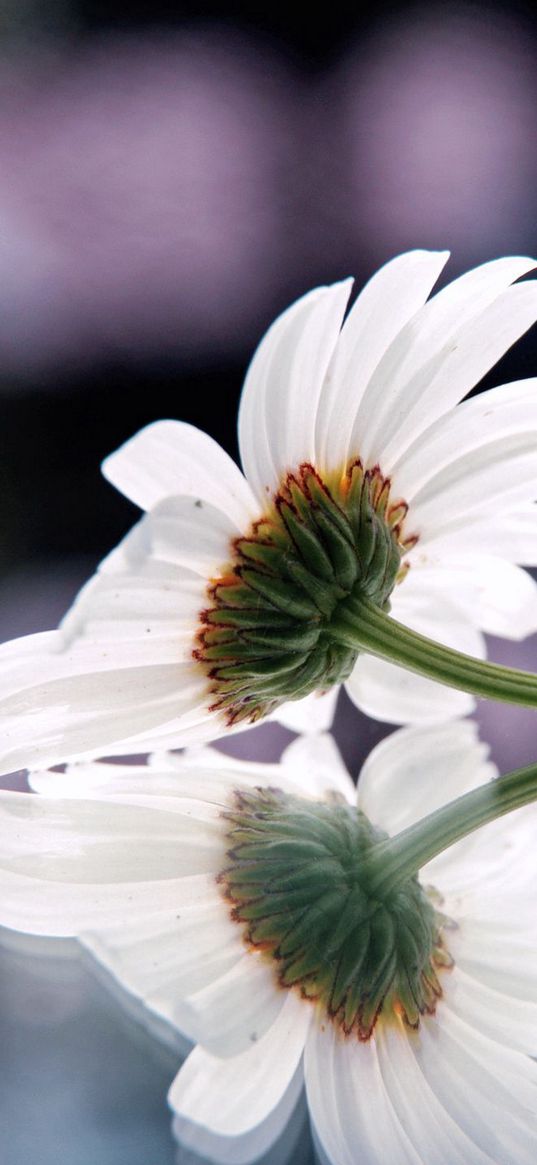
[(266, 637), (297, 880)]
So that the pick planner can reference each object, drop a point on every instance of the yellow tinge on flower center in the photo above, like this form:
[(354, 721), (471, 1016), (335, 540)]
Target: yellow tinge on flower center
[(298, 882), (266, 636)]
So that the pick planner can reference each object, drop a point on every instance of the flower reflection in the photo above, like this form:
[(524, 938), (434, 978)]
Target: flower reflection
[(127, 861)]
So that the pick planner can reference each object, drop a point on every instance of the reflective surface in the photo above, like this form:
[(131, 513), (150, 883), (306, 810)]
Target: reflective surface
[(81, 1081)]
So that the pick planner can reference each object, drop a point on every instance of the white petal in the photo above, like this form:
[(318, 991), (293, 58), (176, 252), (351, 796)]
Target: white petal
[(511, 536), (66, 909), (16, 656), (490, 592), (233, 1012), (435, 595), (314, 713), (486, 1088), (385, 305), (282, 388), (349, 1104), (169, 458), (168, 954), (311, 766), (501, 1017), (503, 596), (442, 353), (389, 693), (159, 573), (499, 474), (496, 954), (112, 712), (316, 767), (67, 866), (501, 412), (120, 674), (99, 779), (192, 534), (107, 841), (192, 729), (417, 770), (437, 1137), (218, 774), (232, 1096), (277, 1140), (174, 776), (505, 848)]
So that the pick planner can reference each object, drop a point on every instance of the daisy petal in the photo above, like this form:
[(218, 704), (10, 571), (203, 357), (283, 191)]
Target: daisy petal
[(65, 909), (442, 353), (99, 779), (311, 766), (501, 473), (231, 1097), (511, 535), (507, 966), (166, 955), (68, 865), (169, 458), (475, 1078), (277, 1140), (233, 1012), (386, 304), (77, 841), (316, 767), (185, 537), (114, 712), (501, 412), (435, 1134), (121, 668), (168, 775), (389, 693), (313, 713), (348, 1102), (505, 595), (417, 770), (283, 385), (504, 1018), (218, 773), (506, 848)]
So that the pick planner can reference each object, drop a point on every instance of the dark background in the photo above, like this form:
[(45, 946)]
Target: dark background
[(171, 176)]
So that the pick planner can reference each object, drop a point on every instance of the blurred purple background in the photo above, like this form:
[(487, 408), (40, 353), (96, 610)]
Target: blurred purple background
[(168, 182)]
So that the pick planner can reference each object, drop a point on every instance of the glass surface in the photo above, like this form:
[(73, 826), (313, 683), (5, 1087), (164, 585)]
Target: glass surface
[(81, 1082)]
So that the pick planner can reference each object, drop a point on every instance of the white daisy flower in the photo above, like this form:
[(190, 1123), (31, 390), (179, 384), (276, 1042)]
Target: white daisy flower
[(258, 918), (366, 485)]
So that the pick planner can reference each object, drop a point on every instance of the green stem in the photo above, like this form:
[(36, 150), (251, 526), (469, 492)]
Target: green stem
[(360, 624), (399, 857)]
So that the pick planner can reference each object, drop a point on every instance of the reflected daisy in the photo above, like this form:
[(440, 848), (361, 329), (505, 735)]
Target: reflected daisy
[(367, 487), (264, 921)]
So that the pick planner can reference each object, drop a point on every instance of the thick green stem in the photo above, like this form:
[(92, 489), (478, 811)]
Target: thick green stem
[(360, 624), (398, 858)]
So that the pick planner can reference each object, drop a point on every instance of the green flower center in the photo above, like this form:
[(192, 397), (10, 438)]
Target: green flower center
[(297, 880), (266, 637)]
